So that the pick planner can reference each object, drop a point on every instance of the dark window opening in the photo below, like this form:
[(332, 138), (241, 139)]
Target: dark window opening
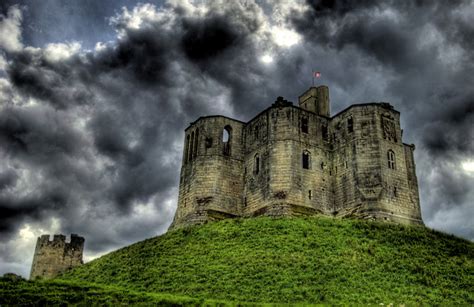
[(350, 124), (186, 148), (306, 160), (324, 130), (395, 193), (309, 194), (208, 142), (257, 164), (191, 146), (391, 159), (304, 125), (196, 140)]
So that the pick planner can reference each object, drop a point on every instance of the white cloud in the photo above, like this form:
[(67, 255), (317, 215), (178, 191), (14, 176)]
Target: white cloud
[(266, 59), (10, 30), (285, 37), (468, 166), (61, 51)]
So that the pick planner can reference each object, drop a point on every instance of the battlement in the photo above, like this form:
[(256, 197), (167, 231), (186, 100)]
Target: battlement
[(55, 256)]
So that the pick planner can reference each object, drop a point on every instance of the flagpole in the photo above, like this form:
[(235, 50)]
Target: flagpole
[(312, 74)]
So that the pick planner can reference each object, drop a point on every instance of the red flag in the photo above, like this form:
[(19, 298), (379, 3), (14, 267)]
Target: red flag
[(316, 74)]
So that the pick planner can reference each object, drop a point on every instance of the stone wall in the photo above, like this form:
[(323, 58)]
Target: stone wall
[(56, 256), (212, 171), (292, 160)]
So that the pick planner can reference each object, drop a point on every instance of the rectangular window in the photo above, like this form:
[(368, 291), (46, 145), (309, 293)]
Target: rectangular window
[(324, 130), (305, 160), (304, 124), (350, 124)]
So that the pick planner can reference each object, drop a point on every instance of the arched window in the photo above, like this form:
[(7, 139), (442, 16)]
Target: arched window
[(196, 143), (306, 159), (391, 159), (227, 140), (256, 164)]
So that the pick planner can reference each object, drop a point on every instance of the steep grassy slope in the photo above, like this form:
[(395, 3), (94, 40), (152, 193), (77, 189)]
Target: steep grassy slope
[(312, 260)]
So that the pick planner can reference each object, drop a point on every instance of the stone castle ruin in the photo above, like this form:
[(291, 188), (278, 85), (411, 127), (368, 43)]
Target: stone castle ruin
[(54, 257), (299, 160)]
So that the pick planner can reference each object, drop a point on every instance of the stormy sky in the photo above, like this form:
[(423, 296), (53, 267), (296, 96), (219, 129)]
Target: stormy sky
[(95, 95)]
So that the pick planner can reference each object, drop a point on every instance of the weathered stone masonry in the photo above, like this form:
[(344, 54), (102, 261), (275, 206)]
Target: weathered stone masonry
[(56, 256), (292, 160)]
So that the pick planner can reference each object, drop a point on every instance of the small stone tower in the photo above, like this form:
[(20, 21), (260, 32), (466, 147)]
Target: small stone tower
[(54, 257), (316, 100)]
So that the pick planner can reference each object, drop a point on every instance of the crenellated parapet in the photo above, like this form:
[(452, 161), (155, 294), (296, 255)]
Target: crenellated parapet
[(55, 256)]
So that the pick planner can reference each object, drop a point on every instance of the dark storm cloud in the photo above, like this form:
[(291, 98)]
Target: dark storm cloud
[(16, 210), (35, 75), (206, 40), (452, 131), (119, 111), (29, 133), (32, 139), (7, 178), (369, 26), (144, 53)]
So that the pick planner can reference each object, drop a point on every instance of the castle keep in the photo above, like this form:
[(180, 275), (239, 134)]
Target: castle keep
[(299, 160), (54, 257)]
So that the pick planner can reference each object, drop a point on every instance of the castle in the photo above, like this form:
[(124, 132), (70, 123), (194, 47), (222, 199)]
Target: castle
[(54, 257), (299, 160)]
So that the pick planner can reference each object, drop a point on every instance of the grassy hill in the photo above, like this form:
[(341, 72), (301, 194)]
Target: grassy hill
[(293, 260), (65, 293)]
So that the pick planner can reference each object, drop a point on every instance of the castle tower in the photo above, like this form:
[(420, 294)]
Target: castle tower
[(211, 180), (54, 257), (316, 99)]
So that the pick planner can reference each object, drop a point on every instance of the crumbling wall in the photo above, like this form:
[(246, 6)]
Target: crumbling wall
[(54, 257), (212, 171)]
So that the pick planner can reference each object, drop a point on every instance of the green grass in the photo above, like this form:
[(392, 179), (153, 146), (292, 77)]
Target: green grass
[(64, 293), (294, 260)]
